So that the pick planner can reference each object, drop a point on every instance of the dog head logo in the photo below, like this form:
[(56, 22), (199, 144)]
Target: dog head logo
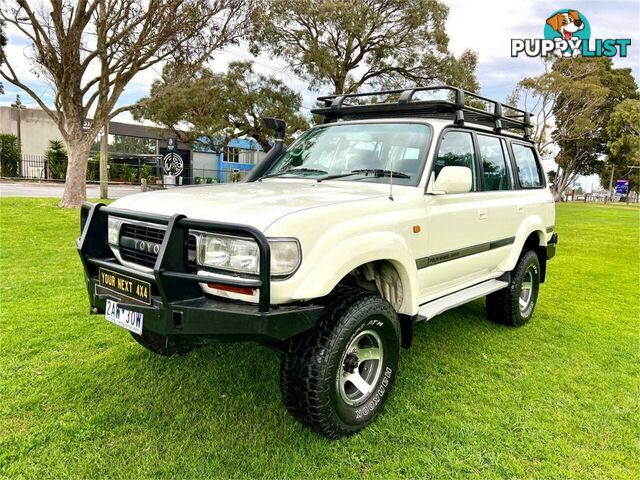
[(566, 24), (570, 26)]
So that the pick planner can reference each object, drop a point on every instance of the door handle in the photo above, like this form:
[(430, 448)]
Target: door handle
[(520, 209), (482, 214)]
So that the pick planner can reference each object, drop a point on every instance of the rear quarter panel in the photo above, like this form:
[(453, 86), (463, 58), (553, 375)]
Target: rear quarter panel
[(537, 216)]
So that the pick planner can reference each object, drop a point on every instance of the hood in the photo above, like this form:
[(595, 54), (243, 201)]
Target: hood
[(257, 203)]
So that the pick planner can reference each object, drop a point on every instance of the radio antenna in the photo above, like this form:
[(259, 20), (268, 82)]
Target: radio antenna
[(391, 181)]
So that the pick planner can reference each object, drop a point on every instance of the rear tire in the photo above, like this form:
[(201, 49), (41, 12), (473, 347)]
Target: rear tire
[(515, 304), (160, 344), (358, 339)]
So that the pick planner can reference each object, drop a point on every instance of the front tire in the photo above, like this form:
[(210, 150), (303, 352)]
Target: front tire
[(515, 304), (337, 378)]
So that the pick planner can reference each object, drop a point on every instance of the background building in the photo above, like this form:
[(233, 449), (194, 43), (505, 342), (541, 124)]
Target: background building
[(134, 151)]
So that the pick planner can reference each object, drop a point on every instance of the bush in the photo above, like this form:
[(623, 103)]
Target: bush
[(93, 170), (114, 171), (57, 160), (9, 155), (147, 171), (128, 173)]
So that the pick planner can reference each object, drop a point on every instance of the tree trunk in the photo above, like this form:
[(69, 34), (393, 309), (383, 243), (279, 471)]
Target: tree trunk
[(338, 84), (75, 184)]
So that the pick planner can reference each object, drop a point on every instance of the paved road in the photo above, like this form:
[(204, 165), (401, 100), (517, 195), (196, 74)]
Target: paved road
[(34, 189)]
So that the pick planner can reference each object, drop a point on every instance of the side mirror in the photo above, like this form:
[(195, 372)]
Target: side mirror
[(453, 180)]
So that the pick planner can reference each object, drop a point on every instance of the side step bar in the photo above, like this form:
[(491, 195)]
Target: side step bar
[(442, 304)]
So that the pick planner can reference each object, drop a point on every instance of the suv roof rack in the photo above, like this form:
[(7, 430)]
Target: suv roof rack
[(442, 101)]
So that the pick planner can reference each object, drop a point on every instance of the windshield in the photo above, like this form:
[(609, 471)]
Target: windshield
[(359, 152)]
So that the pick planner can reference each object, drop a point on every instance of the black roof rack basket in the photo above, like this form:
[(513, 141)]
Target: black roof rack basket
[(443, 101)]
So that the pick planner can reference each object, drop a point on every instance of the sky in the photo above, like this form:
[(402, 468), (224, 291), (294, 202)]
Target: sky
[(485, 26)]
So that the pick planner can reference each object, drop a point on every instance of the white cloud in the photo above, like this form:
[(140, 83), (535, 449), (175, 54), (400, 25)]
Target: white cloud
[(485, 26)]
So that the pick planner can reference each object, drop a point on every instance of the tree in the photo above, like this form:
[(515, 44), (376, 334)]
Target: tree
[(89, 50), (572, 102), (9, 155), (623, 131), (57, 159), (351, 43), (221, 106)]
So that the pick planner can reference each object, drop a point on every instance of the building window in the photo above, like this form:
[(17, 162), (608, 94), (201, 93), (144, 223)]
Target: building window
[(231, 154), (129, 145)]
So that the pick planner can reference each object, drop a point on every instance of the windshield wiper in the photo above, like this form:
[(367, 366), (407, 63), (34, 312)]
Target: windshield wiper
[(295, 170), (378, 172)]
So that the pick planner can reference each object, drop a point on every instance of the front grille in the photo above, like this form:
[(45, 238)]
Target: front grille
[(142, 232), (135, 232), (148, 240)]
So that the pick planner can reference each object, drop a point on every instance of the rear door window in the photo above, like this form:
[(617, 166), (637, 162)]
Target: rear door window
[(494, 165), (529, 174)]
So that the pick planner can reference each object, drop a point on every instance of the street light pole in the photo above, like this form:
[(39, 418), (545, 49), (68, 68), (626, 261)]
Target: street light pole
[(631, 168), (613, 169), (19, 106), (104, 152)]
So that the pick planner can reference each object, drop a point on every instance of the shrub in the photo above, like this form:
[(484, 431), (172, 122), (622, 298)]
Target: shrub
[(114, 171), (93, 169), (147, 171), (128, 173), (9, 155), (57, 160)]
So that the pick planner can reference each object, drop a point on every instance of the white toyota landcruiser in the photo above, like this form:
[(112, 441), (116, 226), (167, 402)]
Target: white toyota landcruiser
[(401, 205)]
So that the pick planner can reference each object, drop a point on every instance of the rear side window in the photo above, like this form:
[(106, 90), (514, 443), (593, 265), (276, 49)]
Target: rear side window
[(494, 165), (456, 150), (528, 172)]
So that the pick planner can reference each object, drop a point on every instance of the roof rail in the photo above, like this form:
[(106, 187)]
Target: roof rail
[(441, 101)]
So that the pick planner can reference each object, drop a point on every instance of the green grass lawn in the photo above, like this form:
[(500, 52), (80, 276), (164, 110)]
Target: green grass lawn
[(556, 398)]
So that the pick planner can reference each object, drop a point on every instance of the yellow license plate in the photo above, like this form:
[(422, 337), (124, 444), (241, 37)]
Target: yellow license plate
[(125, 286)]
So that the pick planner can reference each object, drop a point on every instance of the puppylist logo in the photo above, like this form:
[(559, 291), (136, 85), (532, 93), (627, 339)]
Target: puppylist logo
[(567, 33)]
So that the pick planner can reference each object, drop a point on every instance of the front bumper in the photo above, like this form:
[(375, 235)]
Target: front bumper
[(205, 318), (178, 308)]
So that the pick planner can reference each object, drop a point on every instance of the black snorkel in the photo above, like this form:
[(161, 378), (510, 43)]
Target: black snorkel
[(278, 126)]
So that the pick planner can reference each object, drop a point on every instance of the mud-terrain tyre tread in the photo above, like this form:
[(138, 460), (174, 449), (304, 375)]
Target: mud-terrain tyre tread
[(292, 369), (502, 306), (302, 391)]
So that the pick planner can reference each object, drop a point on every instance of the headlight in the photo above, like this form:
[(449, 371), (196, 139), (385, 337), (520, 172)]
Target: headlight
[(242, 255), (113, 229)]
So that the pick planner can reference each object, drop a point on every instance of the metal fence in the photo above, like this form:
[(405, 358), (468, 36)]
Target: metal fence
[(38, 167), (34, 167)]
